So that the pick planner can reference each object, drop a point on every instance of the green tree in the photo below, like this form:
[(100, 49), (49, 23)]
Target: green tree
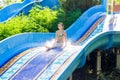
[(69, 5), (43, 17)]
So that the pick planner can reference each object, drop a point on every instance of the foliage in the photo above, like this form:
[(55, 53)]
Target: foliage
[(69, 5), (44, 19), (1, 7), (19, 24), (50, 18), (40, 19), (71, 16), (43, 16), (66, 17), (113, 75)]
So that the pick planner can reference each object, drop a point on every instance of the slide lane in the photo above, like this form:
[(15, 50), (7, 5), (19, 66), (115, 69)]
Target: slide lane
[(99, 24), (60, 63), (18, 62), (35, 66), (92, 28), (32, 64), (13, 60)]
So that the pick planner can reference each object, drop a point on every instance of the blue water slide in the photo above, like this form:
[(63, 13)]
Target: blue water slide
[(80, 26), (99, 39), (50, 3), (68, 60), (14, 9)]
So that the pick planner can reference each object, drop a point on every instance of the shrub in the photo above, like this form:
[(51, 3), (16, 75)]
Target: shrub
[(19, 24), (43, 16)]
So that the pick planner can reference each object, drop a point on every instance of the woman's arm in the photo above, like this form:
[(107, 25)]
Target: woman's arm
[(65, 39), (56, 36)]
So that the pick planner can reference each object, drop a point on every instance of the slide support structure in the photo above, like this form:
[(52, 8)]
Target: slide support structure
[(118, 59), (70, 78), (98, 63)]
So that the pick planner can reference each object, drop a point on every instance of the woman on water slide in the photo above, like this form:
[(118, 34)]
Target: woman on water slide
[(60, 39)]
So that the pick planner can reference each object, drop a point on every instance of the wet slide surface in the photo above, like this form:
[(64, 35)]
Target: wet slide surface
[(33, 64), (40, 64)]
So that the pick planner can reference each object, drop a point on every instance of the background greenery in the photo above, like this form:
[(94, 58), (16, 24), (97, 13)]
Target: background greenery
[(39, 20), (44, 19), (69, 5)]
